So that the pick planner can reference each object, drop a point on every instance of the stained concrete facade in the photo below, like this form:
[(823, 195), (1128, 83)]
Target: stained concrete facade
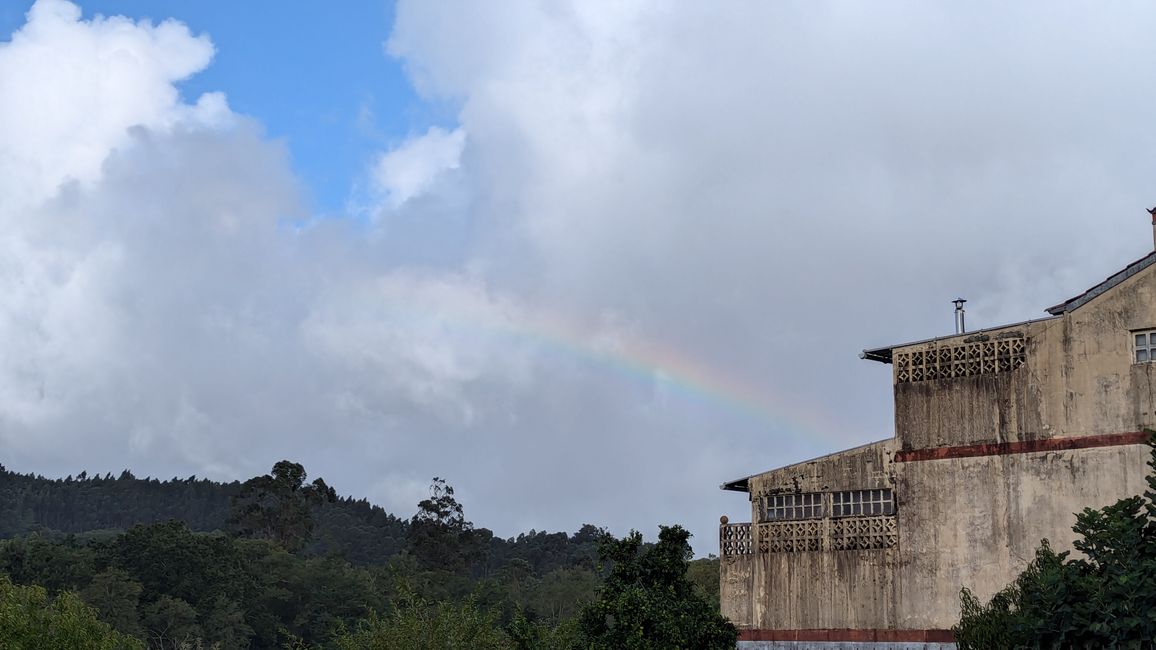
[(1001, 435)]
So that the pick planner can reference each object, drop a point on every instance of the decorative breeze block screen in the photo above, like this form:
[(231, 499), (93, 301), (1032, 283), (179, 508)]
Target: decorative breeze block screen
[(791, 536), (960, 360), (735, 539), (847, 534), (863, 533)]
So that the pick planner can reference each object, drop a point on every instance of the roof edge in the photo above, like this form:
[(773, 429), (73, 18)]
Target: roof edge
[(1110, 282), (884, 354), (743, 484)]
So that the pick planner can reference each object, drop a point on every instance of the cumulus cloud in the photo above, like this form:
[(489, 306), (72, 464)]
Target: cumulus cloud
[(770, 188), (73, 87), (647, 269), (413, 167)]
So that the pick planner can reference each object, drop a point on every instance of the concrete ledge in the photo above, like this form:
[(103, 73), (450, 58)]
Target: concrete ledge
[(1023, 447)]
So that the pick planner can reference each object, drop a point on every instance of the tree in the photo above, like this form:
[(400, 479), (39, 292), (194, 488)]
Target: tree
[(439, 535), (704, 573), (171, 623), (417, 625), (1107, 599), (647, 602), (225, 624), (169, 559), (115, 596), (279, 506), (29, 620)]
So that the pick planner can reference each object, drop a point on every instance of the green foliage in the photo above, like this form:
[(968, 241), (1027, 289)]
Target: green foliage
[(278, 586), (647, 602), (560, 594), (539, 635), (279, 506), (29, 620), (361, 532), (1107, 599), (439, 535), (225, 625), (704, 573), (421, 626), (115, 596), (171, 623)]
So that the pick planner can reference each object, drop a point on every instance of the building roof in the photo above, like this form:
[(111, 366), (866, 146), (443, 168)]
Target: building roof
[(1111, 281), (883, 354), (743, 484)]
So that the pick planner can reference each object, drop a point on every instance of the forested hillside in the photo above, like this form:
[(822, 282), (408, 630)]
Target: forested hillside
[(277, 561), (359, 532)]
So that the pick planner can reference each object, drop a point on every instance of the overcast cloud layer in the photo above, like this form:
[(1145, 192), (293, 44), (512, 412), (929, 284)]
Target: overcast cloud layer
[(642, 263)]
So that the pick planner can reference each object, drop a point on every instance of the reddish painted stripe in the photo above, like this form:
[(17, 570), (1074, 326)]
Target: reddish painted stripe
[(1023, 446), (887, 636)]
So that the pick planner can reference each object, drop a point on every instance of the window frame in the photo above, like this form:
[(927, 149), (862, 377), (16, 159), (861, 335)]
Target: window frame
[(794, 506), (871, 502), (1147, 349)]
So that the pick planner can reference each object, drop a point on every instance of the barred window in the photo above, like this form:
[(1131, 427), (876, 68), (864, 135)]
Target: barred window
[(778, 507), (862, 503), (1145, 345)]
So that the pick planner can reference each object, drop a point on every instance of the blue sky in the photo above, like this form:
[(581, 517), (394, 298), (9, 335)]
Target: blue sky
[(316, 76)]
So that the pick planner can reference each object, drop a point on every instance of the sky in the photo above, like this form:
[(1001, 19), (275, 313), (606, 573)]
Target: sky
[(584, 260)]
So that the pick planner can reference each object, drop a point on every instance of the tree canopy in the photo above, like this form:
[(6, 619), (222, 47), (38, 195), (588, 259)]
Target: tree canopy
[(648, 602), (299, 567)]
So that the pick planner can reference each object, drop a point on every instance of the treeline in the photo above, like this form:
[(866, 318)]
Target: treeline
[(287, 563), (358, 531)]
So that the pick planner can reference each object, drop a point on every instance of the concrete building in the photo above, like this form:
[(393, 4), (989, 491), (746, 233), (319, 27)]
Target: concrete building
[(1001, 435)]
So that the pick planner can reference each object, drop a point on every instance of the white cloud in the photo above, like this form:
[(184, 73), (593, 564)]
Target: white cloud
[(74, 87), (430, 339), (413, 167), (649, 271)]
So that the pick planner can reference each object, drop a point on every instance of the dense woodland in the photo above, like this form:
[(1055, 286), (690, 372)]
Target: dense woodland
[(279, 562)]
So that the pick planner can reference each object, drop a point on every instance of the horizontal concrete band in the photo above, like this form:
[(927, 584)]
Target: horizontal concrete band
[(887, 636), (1023, 446)]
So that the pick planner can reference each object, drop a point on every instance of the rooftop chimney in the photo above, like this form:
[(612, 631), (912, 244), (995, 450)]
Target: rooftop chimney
[(1153, 213), (959, 327)]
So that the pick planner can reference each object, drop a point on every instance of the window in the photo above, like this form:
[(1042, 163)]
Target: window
[(1145, 345), (862, 503), (793, 506)]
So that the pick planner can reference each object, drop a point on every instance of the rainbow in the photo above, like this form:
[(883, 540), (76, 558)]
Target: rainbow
[(651, 361), (644, 360)]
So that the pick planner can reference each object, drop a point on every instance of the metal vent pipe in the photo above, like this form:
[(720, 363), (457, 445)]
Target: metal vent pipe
[(960, 328)]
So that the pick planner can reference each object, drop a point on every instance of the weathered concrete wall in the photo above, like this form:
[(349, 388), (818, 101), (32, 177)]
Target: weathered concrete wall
[(826, 590), (977, 522), (861, 468), (737, 584), (1078, 379), (814, 589), (968, 521)]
